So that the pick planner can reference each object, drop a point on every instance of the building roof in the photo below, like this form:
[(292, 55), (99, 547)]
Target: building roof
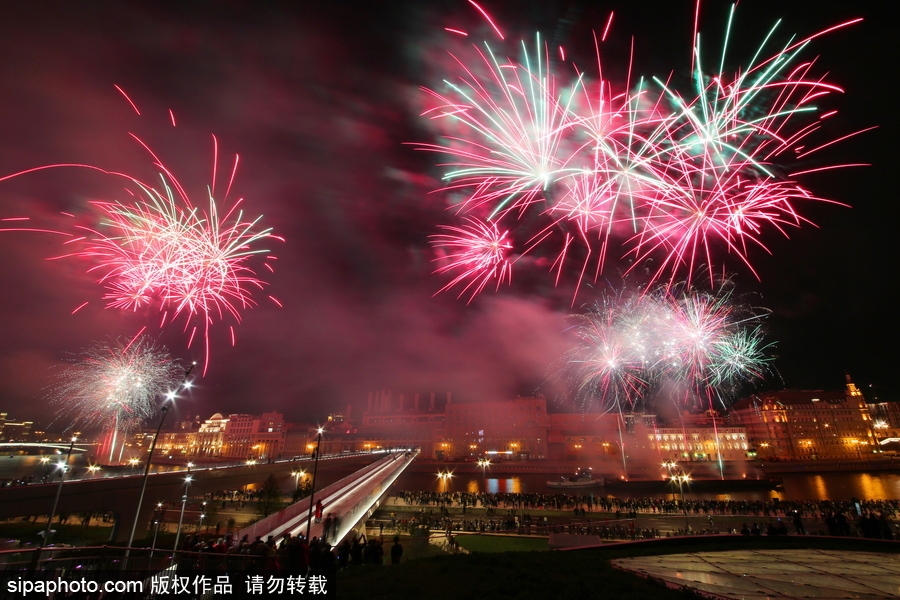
[(791, 398)]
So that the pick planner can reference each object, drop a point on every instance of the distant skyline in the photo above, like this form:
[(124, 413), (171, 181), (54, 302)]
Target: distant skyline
[(320, 101)]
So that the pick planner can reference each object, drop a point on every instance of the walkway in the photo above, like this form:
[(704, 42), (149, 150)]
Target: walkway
[(352, 499)]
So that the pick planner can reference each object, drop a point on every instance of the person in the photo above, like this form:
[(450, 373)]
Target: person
[(798, 523), (319, 509), (326, 533), (396, 551)]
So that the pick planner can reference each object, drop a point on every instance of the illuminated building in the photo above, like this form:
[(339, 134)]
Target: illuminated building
[(700, 443), (239, 436), (807, 424), (497, 429), (586, 436), (14, 431)]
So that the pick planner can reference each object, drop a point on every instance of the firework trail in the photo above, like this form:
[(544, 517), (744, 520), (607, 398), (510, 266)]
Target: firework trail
[(479, 249), (115, 384), (609, 359), (160, 253), (573, 166)]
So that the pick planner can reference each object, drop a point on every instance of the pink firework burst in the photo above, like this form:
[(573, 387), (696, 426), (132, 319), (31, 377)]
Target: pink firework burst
[(684, 175), (160, 253), (478, 251)]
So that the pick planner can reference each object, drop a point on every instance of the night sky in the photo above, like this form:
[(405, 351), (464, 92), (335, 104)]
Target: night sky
[(320, 100)]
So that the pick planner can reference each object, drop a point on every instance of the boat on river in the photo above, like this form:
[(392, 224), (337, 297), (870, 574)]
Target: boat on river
[(583, 478)]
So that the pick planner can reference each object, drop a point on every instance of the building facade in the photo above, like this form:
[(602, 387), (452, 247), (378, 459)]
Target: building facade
[(807, 424)]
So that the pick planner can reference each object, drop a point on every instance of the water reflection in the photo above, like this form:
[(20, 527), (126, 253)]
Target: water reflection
[(843, 486), (818, 483), (511, 485), (825, 486)]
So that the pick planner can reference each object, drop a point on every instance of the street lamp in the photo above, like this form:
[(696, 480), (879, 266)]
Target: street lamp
[(681, 477), (445, 476), (669, 465), (484, 463), (312, 489), (296, 475), (63, 467), (170, 397), (93, 469), (156, 522), (184, 498)]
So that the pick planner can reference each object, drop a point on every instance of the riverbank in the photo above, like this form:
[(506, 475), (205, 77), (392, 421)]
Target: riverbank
[(757, 469)]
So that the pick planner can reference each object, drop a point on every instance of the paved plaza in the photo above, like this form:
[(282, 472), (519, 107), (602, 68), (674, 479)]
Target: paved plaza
[(775, 574)]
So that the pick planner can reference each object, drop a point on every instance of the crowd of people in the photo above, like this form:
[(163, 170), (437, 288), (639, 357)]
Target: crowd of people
[(864, 518), (598, 503), (292, 554)]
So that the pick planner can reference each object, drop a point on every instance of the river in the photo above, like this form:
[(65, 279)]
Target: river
[(825, 486), (801, 486)]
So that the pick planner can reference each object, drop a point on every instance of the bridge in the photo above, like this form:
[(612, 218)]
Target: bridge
[(15, 445), (352, 500), (120, 495)]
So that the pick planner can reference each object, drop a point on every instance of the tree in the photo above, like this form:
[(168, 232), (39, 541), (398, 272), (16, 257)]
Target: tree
[(302, 491), (268, 500)]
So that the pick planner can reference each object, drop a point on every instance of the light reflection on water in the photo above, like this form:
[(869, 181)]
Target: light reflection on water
[(825, 486), (841, 486), (822, 486)]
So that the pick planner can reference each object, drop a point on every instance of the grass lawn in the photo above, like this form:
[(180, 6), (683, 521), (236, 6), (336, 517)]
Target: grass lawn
[(501, 543)]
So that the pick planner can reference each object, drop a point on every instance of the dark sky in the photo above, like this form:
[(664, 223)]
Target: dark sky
[(319, 100)]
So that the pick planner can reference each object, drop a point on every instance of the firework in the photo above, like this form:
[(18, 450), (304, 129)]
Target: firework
[(609, 360), (479, 250), (626, 347), (572, 167), (157, 252), (160, 253), (115, 385)]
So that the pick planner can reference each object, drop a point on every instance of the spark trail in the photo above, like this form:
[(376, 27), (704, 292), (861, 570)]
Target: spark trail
[(573, 166)]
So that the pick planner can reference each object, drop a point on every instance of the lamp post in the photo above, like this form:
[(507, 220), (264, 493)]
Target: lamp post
[(184, 498), (44, 461), (170, 397), (681, 477), (484, 463), (445, 476), (62, 476), (156, 523), (670, 465), (312, 489), (296, 475)]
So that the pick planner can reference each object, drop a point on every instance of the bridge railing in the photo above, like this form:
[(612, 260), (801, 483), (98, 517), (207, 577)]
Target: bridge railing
[(295, 514), (366, 506)]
